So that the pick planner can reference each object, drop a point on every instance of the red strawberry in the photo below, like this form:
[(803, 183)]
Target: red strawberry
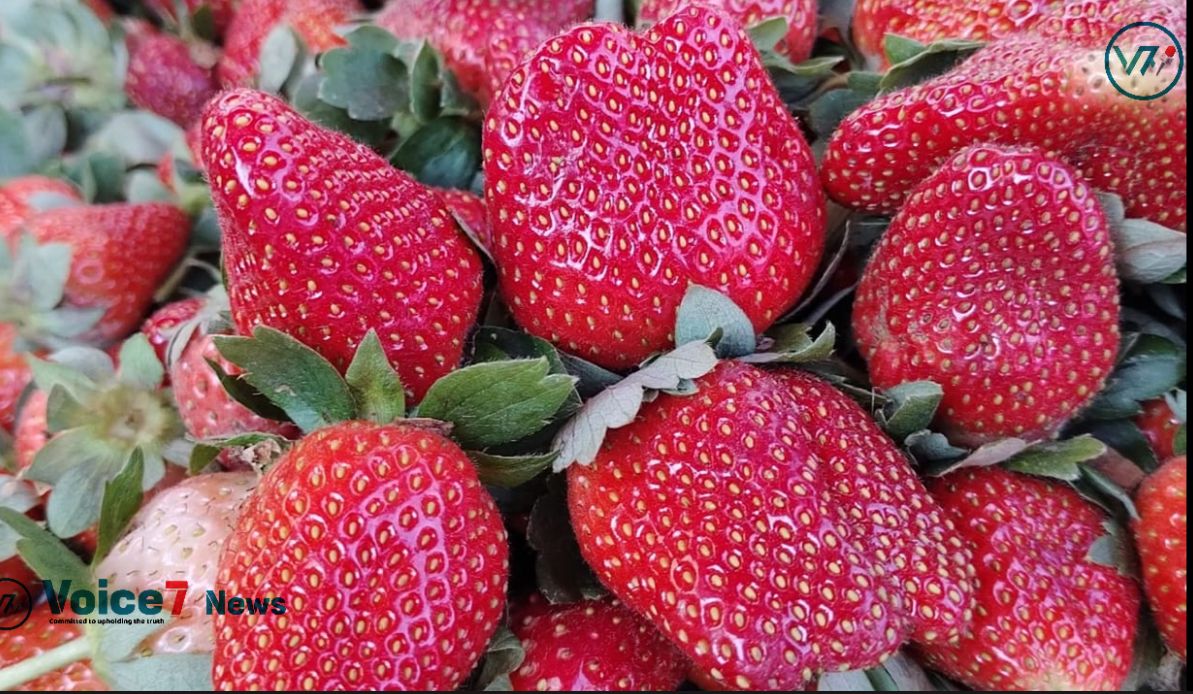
[(1048, 618), (222, 11), (1160, 426), (14, 376), (594, 645), (1161, 534), (178, 536), (1047, 88), (800, 16), (314, 21), (482, 41), (102, 9), (470, 212), (620, 169), (390, 554), (164, 77), (997, 281), (206, 409), (928, 21), (765, 524), (42, 632), (325, 241), (161, 327), (121, 253), (20, 198)]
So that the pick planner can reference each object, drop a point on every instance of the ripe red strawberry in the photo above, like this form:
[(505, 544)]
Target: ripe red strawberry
[(164, 77), (1046, 87), (40, 634), (1048, 618), (314, 21), (997, 281), (800, 16), (164, 323), (390, 554), (20, 198), (469, 211), (764, 525), (622, 168), (1159, 425), (121, 253), (14, 376), (1161, 534), (222, 11), (178, 536), (928, 21), (325, 241), (482, 41), (593, 645)]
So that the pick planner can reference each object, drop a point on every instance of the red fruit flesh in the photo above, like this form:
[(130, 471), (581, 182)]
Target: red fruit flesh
[(996, 280), (592, 646), (325, 241), (764, 525), (1159, 425), (1046, 87), (482, 41), (1048, 618), (164, 78), (390, 554), (620, 169), (39, 634), (1161, 535), (800, 16), (314, 21)]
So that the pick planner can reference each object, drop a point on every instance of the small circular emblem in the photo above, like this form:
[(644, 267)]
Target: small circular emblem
[(16, 604), (1144, 61)]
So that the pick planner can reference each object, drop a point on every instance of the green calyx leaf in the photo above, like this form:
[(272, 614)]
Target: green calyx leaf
[(1148, 252), (1114, 550), (492, 403), (704, 311), (1057, 459), (1149, 366), (504, 655), (913, 62), (43, 552), (374, 383), (580, 439), (140, 368), (445, 153), (257, 450), (166, 672), (365, 78), (560, 571), (510, 471), (793, 344), (281, 59), (32, 289), (121, 499), (910, 408)]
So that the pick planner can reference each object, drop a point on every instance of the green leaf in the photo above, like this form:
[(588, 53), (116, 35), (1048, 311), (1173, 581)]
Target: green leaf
[(374, 383), (281, 54), (74, 448), (371, 37), (593, 378), (509, 471), (1057, 459), (768, 33), (519, 345), (932, 450), (561, 573), (167, 672), (117, 641), (293, 376), (43, 552), (1114, 550), (445, 153), (306, 100), (497, 402), (424, 82), (1148, 252), (140, 368), (899, 49), (122, 498), (793, 344), (935, 59), (1106, 487), (828, 112), (703, 311), (20, 496), (504, 655), (134, 138), (15, 158), (51, 267), (911, 408), (45, 133), (204, 452), (74, 503), (989, 454), (368, 83), (245, 394), (1150, 367)]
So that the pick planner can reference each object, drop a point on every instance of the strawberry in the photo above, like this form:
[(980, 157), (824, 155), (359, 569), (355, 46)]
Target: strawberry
[(207, 411), (1046, 87), (121, 253), (161, 327), (470, 212), (31, 430), (390, 554), (804, 567), (1161, 533), (482, 41), (14, 376), (21, 198), (622, 168), (178, 536), (1048, 617), (593, 645), (165, 78), (42, 632), (222, 11), (314, 21), (325, 241), (996, 280), (929, 21), (800, 16), (1160, 426)]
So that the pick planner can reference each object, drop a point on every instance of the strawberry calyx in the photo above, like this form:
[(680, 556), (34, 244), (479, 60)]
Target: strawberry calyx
[(32, 290)]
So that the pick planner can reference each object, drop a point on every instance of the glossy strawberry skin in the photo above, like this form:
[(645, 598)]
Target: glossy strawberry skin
[(592, 645), (314, 21), (795, 575), (163, 78), (325, 241), (390, 553), (1161, 536), (996, 280), (469, 210), (611, 189), (1159, 425), (121, 253), (160, 327), (1045, 87), (482, 41), (1047, 616), (800, 16), (207, 411), (36, 636)]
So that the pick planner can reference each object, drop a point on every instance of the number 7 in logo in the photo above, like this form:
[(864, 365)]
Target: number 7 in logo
[(1150, 51)]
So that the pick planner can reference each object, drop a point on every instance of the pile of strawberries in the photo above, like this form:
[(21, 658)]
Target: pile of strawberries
[(566, 345)]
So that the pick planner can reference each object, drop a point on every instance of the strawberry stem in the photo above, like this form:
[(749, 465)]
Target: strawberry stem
[(32, 668)]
